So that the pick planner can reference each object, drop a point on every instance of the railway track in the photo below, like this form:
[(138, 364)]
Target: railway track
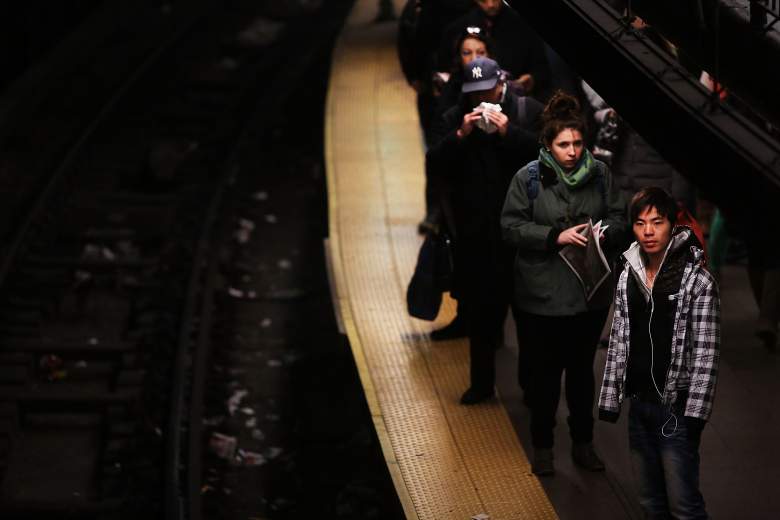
[(105, 285)]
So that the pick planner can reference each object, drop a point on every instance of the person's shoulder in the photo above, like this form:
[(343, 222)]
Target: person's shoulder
[(704, 278)]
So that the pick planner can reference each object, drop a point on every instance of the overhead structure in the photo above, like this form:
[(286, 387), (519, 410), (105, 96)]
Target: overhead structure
[(733, 40), (732, 160)]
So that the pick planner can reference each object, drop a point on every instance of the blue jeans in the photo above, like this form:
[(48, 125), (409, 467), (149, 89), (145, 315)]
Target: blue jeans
[(666, 464)]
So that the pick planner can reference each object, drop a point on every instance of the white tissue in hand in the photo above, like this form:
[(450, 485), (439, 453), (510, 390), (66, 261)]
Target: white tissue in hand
[(484, 123)]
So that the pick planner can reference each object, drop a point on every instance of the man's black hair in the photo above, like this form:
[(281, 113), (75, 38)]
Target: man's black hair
[(657, 198)]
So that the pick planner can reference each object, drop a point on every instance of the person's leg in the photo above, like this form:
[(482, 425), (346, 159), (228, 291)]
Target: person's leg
[(581, 339), (482, 355), (543, 388), (644, 431), (485, 324), (680, 459), (582, 336), (537, 334)]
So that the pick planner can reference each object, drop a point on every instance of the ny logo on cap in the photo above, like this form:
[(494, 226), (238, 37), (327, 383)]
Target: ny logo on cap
[(476, 72)]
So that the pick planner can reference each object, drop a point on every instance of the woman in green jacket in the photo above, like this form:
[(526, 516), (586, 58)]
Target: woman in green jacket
[(549, 204)]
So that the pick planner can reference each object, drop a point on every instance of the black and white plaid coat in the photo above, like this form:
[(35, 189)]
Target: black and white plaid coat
[(695, 345)]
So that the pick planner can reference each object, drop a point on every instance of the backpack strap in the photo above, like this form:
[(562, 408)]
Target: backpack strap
[(532, 185), (521, 111)]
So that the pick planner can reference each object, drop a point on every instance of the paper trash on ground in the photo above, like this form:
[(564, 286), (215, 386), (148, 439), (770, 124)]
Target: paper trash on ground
[(588, 263)]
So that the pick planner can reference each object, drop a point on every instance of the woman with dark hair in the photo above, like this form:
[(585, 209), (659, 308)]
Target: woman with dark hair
[(472, 43), (548, 206)]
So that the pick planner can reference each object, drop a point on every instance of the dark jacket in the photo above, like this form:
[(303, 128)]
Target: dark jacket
[(544, 284), (476, 171), (695, 344), (519, 49)]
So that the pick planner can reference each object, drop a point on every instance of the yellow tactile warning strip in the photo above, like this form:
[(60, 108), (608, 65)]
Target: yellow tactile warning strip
[(446, 460)]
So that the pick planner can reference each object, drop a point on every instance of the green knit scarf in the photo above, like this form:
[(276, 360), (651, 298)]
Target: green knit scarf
[(578, 176)]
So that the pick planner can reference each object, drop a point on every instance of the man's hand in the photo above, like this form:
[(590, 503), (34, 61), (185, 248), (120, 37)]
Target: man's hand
[(500, 120), (468, 124), (693, 429), (572, 236)]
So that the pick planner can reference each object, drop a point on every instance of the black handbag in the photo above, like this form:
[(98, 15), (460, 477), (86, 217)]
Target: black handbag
[(433, 275)]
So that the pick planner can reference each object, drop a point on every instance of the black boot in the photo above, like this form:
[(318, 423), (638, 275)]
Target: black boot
[(543, 462), (585, 456)]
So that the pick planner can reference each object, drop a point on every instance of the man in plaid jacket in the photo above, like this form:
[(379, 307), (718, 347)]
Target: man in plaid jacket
[(663, 355)]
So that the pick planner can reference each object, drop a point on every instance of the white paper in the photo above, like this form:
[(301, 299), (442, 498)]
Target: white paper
[(484, 123)]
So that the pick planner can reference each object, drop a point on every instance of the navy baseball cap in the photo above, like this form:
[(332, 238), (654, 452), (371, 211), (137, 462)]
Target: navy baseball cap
[(480, 74)]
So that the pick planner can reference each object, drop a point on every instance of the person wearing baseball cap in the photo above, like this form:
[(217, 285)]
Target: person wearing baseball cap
[(476, 150)]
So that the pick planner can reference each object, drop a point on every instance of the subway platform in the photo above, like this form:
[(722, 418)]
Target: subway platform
[(450, 461)]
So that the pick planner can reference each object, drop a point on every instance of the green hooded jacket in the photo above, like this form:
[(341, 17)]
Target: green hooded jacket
[(544, 283)]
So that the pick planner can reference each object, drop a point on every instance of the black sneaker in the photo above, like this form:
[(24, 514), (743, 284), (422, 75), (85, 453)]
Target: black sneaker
[(456, 329), (476, 396), (585, 456), (543, 462)]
